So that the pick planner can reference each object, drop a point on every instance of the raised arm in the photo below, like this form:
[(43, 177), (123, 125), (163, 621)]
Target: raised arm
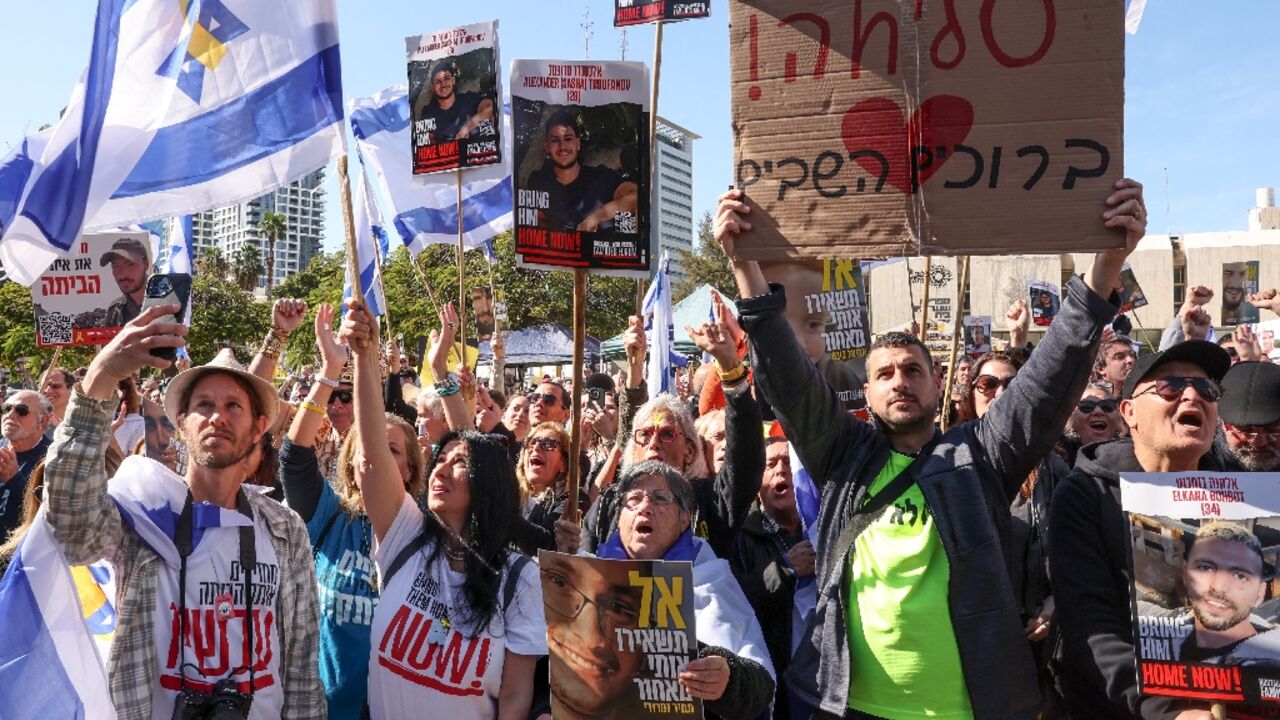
[(299, 470), (449, 387), (375, 468), (286, 316)]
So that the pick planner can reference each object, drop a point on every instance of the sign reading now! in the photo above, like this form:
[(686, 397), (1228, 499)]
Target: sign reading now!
[(872, 128)]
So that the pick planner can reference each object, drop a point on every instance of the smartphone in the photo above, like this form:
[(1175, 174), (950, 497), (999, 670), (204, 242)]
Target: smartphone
[(168, 289), (597, 396)]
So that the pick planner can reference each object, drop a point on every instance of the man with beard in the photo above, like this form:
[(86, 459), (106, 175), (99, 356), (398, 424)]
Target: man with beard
[(250, 557), (1224, 581), (450, 114), (579, 197), (1250, 410), (159, 435), (129, 262), (1234, 276)]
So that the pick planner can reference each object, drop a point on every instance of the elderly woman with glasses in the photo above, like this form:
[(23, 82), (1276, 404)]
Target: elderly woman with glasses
[(732, 674), (543, 471)]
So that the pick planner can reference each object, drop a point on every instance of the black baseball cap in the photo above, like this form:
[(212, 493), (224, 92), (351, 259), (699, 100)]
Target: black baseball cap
[(1251, 394), (1203, 354)]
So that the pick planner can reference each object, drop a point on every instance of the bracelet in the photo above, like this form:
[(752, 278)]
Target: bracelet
[(448, 390), (274, 342), (327, 382), (732, 376), (313, 407)]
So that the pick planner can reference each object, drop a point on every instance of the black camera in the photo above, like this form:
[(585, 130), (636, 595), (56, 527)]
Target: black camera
[(226, 702)]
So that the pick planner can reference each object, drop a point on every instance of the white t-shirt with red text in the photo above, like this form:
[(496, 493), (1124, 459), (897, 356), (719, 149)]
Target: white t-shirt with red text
[(215, 627), (424, 662)]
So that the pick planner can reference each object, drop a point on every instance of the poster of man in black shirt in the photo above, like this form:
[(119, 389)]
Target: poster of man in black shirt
[(582, 152), (453, 83)]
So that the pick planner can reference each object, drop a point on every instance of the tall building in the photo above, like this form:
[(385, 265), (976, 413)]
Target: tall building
[(672, 209), (302, 204)]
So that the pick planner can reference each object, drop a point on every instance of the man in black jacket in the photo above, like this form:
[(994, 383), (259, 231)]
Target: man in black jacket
[(915, 609), (1170, 402)]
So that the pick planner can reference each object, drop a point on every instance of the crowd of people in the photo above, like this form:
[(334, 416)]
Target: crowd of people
[(361, 542)]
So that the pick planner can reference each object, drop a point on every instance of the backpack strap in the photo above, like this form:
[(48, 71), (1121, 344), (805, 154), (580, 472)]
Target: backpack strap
[(513, 580), (403, 556)]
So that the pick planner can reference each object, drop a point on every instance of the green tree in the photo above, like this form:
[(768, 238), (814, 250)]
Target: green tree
[(273, 225), (246, 266), (222, 310), (705, 265), (212, 262)]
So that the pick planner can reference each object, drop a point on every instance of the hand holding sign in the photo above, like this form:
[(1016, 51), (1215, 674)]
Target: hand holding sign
[(706, 678), (130, 350)]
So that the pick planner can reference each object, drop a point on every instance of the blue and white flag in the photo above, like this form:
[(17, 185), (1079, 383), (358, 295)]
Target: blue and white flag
[(49, 661), (660, 331), (184, 106), (368, 222), (428, 214), (178, 259)]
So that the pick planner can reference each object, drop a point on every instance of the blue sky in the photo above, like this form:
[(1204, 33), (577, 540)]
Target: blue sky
[(1202, 86)]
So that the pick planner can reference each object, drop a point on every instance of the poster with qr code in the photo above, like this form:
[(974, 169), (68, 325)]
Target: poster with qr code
[(88, 294), (453, 83), (581, 147)]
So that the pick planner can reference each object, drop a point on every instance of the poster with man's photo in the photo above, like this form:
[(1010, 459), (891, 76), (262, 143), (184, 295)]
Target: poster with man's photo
[(1131, 295), (581, 165), (86, 295), (636, 12), (977, 334), (482, 306), (1045, 302), (1239, 281), (1205, 596), (618, 632), (453, 94)]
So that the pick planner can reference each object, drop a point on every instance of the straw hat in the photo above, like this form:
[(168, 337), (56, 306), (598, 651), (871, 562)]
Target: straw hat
[(224, 362)]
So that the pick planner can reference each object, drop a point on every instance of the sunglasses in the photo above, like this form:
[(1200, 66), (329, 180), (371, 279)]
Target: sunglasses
[(988, 384), (22, 408), (542, 443), (544, 398), (1171, 388), (1087, 406), (633, 498), (151, 423), (343, 395), (666, 436)]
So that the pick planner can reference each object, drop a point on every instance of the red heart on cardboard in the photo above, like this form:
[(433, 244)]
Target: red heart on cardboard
[(879, 124)]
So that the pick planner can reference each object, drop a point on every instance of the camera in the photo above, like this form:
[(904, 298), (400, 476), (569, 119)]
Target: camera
[(226, 702), (596, 395), (159, 286)]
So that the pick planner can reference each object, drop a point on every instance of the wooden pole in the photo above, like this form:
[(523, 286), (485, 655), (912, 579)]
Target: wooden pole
[(955, 345), (426, 282), (349, 228), (653, 151), (462, 283), (575, 421), (53, 363), (924, 300)]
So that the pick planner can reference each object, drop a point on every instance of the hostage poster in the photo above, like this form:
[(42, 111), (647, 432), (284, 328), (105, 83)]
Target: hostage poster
[(636, 12), (86, 296), (1045, 302), (618, 632), (1205, 596), (1239, 281), (582, 165), (453, 91)]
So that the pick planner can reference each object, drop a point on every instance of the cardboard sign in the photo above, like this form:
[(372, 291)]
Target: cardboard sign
[(977, 335), (582, 179), (879, 128), (482, 306), (1045, 302), (1131, 295), (636, 12), (640, 613), (1239, 281), (86, 296), (1205, 596), (453, 91)]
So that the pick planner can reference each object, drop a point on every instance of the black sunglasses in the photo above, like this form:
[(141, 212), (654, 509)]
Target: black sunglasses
[(22, 408), (987, 384), (343, 395), (544, 398), (1171, 387), (1087, 406)]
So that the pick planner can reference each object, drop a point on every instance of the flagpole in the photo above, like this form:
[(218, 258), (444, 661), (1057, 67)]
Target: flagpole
[(426, 282), (575, 422), (924, 301), (955, 346), (53, 363), (349, 228), (653, 150), (462, 282)]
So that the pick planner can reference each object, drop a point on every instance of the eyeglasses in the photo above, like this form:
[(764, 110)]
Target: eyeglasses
[(544, 398), (542, 443), (560, 597), (22, 408), (987, 384), (666, 435), (1264, 431), (660, 498), (1171, 388), (1087, 406), (343, 395), (151, 423)]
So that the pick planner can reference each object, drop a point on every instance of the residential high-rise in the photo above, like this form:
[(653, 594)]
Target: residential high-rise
[(672, 211), (302, 204)]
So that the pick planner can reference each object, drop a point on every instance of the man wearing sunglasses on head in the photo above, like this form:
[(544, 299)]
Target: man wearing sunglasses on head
[(22, 419), (1170, 402)]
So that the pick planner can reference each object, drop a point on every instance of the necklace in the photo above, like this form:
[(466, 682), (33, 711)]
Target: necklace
[(455, 554)]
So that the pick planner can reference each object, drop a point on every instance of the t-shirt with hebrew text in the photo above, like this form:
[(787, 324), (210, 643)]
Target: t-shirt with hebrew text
[(905, 662)]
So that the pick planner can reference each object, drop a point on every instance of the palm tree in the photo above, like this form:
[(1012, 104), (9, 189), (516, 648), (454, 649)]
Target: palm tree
[(246, 266), (272, 225), (212, 262)]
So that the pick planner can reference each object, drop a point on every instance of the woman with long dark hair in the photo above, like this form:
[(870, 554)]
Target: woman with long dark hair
[(450, 585)]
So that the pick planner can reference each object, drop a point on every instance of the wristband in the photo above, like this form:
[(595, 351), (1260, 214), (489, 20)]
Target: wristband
[(327, 382), (732, 376), (313, 407)]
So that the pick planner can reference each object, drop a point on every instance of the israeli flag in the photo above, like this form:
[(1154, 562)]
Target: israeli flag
[(368, 222), (184, 106), (49, 660), (423, 215), (178, 259), (660, 331)]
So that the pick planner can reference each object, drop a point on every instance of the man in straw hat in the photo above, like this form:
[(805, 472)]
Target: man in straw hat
[(195, 557)]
